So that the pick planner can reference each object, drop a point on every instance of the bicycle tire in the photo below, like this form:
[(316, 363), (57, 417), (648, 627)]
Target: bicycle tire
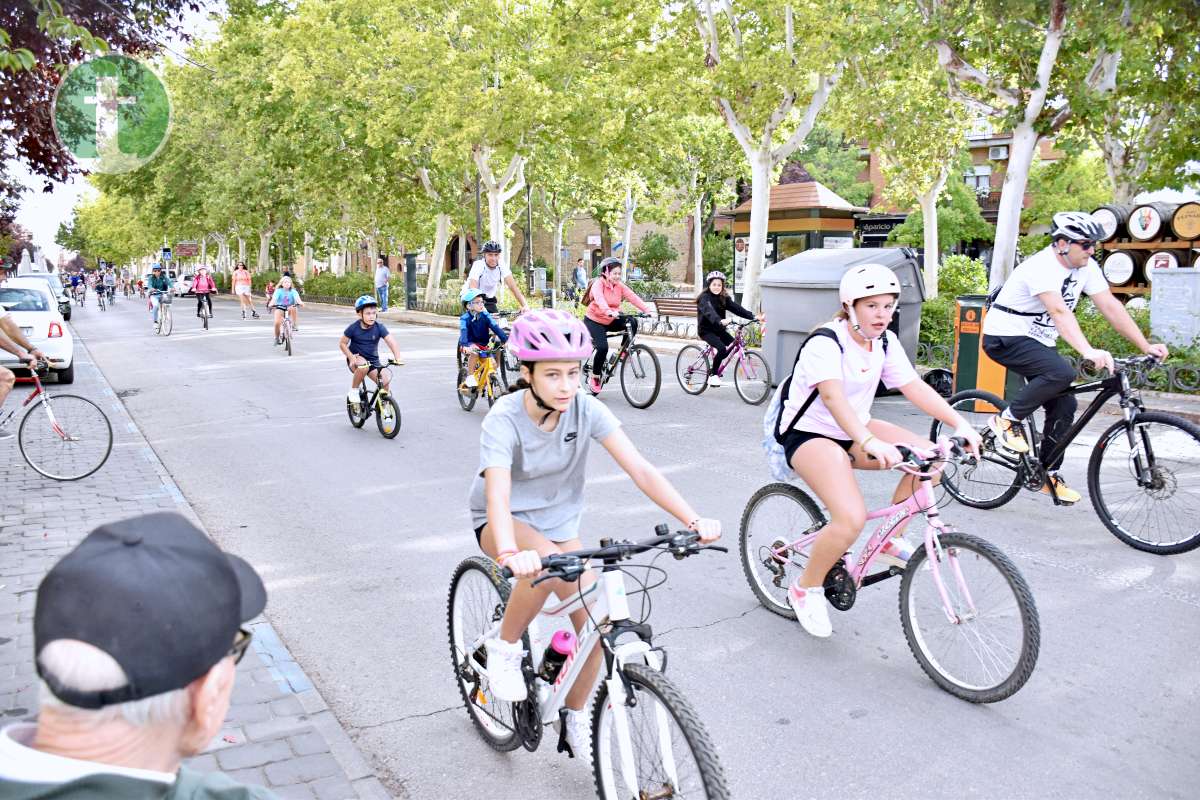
[(483, 573), (495, 390), (640, 356), (467, 400), (359, 419), (1003, 479), (389, 410), (287, 340), (168, 322), (954, 543), (204, 316), (502, 377), (103, 435), (754, 550), (756, 388), (657, 692), (1119, 462), (692, 368)]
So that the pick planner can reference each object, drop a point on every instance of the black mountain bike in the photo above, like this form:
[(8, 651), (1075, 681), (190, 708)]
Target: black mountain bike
[(1143, 475), (641, 376)]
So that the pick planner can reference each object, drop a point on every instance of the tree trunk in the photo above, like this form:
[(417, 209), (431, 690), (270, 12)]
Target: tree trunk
[(698, 242), (559, 224), (437, 259), (630, 208), (1012, 198), (264, 251), (372, 253), (760, 209), (462, 256), (204, 250), (928, 202), (241, 250), (308, 253)]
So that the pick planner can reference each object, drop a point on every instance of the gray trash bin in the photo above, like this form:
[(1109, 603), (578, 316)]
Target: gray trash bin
[(801, 292)]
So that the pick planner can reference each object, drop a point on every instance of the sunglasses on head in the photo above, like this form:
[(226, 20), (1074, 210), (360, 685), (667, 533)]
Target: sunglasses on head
[(240, 644)]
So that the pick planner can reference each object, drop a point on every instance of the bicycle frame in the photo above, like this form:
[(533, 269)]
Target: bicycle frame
[(737, 351), (40, 392), (485, 370), (922, 501), (608, 609), (1108, 388)]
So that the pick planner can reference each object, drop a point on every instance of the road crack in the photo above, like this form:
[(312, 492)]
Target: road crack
[(406, 718), (708, 624)]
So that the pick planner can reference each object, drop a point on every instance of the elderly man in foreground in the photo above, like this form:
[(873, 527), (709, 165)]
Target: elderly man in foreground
[(136, 634)]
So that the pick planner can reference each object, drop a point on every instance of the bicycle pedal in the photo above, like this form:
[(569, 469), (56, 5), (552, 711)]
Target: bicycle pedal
[(563, 745)]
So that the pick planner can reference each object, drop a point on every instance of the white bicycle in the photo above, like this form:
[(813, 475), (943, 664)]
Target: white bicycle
[(647, 742)]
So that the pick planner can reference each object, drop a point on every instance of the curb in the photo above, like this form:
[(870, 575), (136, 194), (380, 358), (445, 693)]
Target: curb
[(266, 639)]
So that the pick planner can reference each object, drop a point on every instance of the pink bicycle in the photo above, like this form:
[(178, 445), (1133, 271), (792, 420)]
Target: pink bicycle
[(967, 613)]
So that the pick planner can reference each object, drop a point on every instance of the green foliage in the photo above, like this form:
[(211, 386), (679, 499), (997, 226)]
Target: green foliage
[(832, 159), (350, 285), (958, 220), (652, 288), (958, 275), (1031, 243), (655, 255), (1075, 183), (717, 254), (1100, 333)]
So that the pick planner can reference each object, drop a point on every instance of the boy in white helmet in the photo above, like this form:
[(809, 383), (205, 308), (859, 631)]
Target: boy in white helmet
[(827, 430)]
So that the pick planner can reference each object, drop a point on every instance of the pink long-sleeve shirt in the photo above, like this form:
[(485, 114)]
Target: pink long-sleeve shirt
[(606, 296)]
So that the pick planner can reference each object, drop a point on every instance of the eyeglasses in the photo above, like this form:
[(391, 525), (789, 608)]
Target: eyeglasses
[(1087, 245), (240, 644)]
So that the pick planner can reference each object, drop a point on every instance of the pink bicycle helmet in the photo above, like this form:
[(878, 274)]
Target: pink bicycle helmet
[(549, 335)]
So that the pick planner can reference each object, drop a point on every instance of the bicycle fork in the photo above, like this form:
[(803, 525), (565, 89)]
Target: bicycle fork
[(938, 556)]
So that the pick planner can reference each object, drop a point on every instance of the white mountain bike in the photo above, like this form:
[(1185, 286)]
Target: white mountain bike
[(646, 739)]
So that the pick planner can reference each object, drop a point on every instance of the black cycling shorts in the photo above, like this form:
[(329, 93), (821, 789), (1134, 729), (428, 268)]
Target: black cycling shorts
[(479, 534), (793, 440)]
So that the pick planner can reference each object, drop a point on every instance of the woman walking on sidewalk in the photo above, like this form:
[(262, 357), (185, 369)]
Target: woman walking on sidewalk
[(241, 288)]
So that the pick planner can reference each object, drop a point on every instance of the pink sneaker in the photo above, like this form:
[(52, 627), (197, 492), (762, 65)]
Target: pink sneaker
[(595, 385)]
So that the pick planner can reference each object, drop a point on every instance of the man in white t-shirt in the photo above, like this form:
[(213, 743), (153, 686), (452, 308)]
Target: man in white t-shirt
[(12, 340), (1036, 305), (487, 274)]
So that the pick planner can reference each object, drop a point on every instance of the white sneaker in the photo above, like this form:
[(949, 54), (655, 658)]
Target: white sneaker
[(579, 734), (714, 380), (471, 382), (896, 552), (812, 610), (504, 670)]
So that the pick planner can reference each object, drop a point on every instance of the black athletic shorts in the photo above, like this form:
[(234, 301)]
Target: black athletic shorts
[(793, 440), (479, 534)]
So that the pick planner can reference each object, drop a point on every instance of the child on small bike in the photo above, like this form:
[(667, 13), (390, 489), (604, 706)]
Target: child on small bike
[(474, 327), (711, 305), (527, 497), (285, 300), (360, 345), (603, 299), (827, 430)]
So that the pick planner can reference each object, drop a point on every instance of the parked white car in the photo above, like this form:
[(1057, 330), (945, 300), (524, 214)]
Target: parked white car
[(56, 287), (183, 286), (34, 308)]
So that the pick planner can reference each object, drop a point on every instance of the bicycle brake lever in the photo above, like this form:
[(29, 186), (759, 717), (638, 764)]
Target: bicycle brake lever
[(717, 547)]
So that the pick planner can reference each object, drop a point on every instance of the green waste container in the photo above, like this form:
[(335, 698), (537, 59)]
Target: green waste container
[(972, 367)]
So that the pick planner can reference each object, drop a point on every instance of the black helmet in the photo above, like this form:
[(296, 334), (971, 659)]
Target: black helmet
[(607, 264), (1076, 226), (490, 246)]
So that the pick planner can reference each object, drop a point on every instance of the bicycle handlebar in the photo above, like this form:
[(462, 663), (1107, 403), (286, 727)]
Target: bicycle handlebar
[(569, 566)]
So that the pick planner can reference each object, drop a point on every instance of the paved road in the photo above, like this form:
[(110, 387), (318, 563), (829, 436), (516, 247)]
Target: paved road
[(357, 536)]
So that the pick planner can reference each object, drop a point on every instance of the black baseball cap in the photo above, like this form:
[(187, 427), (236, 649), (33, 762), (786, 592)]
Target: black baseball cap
[(156, 594)]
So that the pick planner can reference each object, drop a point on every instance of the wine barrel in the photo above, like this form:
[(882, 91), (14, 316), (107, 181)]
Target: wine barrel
[(1149, 221), (1112, 218), (1122, 267), (1185, 223), (1159, 260)]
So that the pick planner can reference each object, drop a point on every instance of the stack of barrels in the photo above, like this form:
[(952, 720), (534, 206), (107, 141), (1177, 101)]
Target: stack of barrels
[(1140, 240)]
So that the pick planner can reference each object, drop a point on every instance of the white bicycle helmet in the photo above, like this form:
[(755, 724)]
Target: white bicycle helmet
[(1076, 226), (866, 280)]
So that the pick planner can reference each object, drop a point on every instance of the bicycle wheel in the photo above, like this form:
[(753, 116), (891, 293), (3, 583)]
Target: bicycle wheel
[(641, 377), (204, 317), (672, 754), (287, 339), (387, 417), (494, 389), (168, 321), (996, 477), (359, 419), (65, 437), (777, 515), (467, 398), (692, 368), (752, 378), (1162, 517), (503, 372), (476, 604), (990, 649)]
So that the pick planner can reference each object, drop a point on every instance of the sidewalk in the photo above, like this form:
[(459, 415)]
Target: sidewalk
[(279, 732)]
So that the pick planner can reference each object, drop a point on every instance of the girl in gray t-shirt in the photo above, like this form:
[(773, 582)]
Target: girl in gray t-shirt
[(527, 497)]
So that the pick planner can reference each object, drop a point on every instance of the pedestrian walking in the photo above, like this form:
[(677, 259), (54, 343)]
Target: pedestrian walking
[(382, 276), (242, 289)]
